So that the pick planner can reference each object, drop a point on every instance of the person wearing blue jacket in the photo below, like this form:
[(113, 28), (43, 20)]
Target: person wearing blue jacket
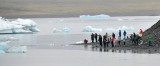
[(124, 33), (119, 33)]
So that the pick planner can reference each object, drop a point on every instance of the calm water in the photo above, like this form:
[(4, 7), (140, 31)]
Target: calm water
[(48, 48), (47, 38)]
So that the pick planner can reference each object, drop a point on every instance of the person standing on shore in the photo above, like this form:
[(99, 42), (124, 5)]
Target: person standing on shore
[(113, 35), (119, 33), (100, 40), (149, 40), (107, 41), (124, 33), (112, 41), (124, 41), (134, 38), (119, 40), (92, 37), (119, 37), (104, 41), (96, 36)]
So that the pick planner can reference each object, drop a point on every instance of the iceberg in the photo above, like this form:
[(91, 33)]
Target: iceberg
[(2, 52), (91, 29), (63, 30), (94, 16), (19, 49), (4, 46), (121, 28), (18, 26), (79, 42), (27, 23)]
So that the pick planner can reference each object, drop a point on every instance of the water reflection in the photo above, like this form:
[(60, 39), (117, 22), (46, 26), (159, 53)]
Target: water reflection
[(115, 50)]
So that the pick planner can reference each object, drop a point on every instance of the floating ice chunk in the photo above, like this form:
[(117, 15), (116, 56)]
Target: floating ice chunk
[(120, 19), (66, 29), (91, 29), (121, 28), (20, 49), (17, 26), (94, 16), (4, 46), (27, 23), (79, 42), (63, 30), (55, 30), (2, 52), (126, 28), (24, 22)]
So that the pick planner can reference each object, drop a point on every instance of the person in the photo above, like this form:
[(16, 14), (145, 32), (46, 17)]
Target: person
[(149, 40), (96, 37), (92, 37), (100, 40), (134, 38), (124, 33), (85, 41), (119, 40), (106, 34), (137, 39), (112, 42), (131, 38), (108, 41), (104, 41), (141, 31), (124, 41), (113, 35), (119, 33)]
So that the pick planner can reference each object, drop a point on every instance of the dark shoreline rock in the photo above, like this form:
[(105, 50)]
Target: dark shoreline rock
[(154, 32)]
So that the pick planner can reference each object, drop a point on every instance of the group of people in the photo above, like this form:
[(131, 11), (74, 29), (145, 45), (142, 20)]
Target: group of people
[(106, 39)]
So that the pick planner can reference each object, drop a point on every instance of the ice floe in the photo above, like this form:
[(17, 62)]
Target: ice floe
[(63, 30), (94, 16), (91, 29), (17, 49), (79, 42), (121, 28), (18, 26), (5, 48)]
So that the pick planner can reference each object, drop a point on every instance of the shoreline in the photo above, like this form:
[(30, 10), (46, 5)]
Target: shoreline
[(127, 48)]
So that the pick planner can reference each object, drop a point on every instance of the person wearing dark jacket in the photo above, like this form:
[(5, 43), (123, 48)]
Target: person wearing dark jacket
[(134, 38), (95, 37), (119, 33), (113, 35), (92, 37), (124, 33), (100, 40), (104, 41)]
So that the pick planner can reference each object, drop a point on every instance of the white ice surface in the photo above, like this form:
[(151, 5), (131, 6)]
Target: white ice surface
[(91, 29), (63, 30), (94, 16), (17, 49), (18, 26), (127, 28)]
